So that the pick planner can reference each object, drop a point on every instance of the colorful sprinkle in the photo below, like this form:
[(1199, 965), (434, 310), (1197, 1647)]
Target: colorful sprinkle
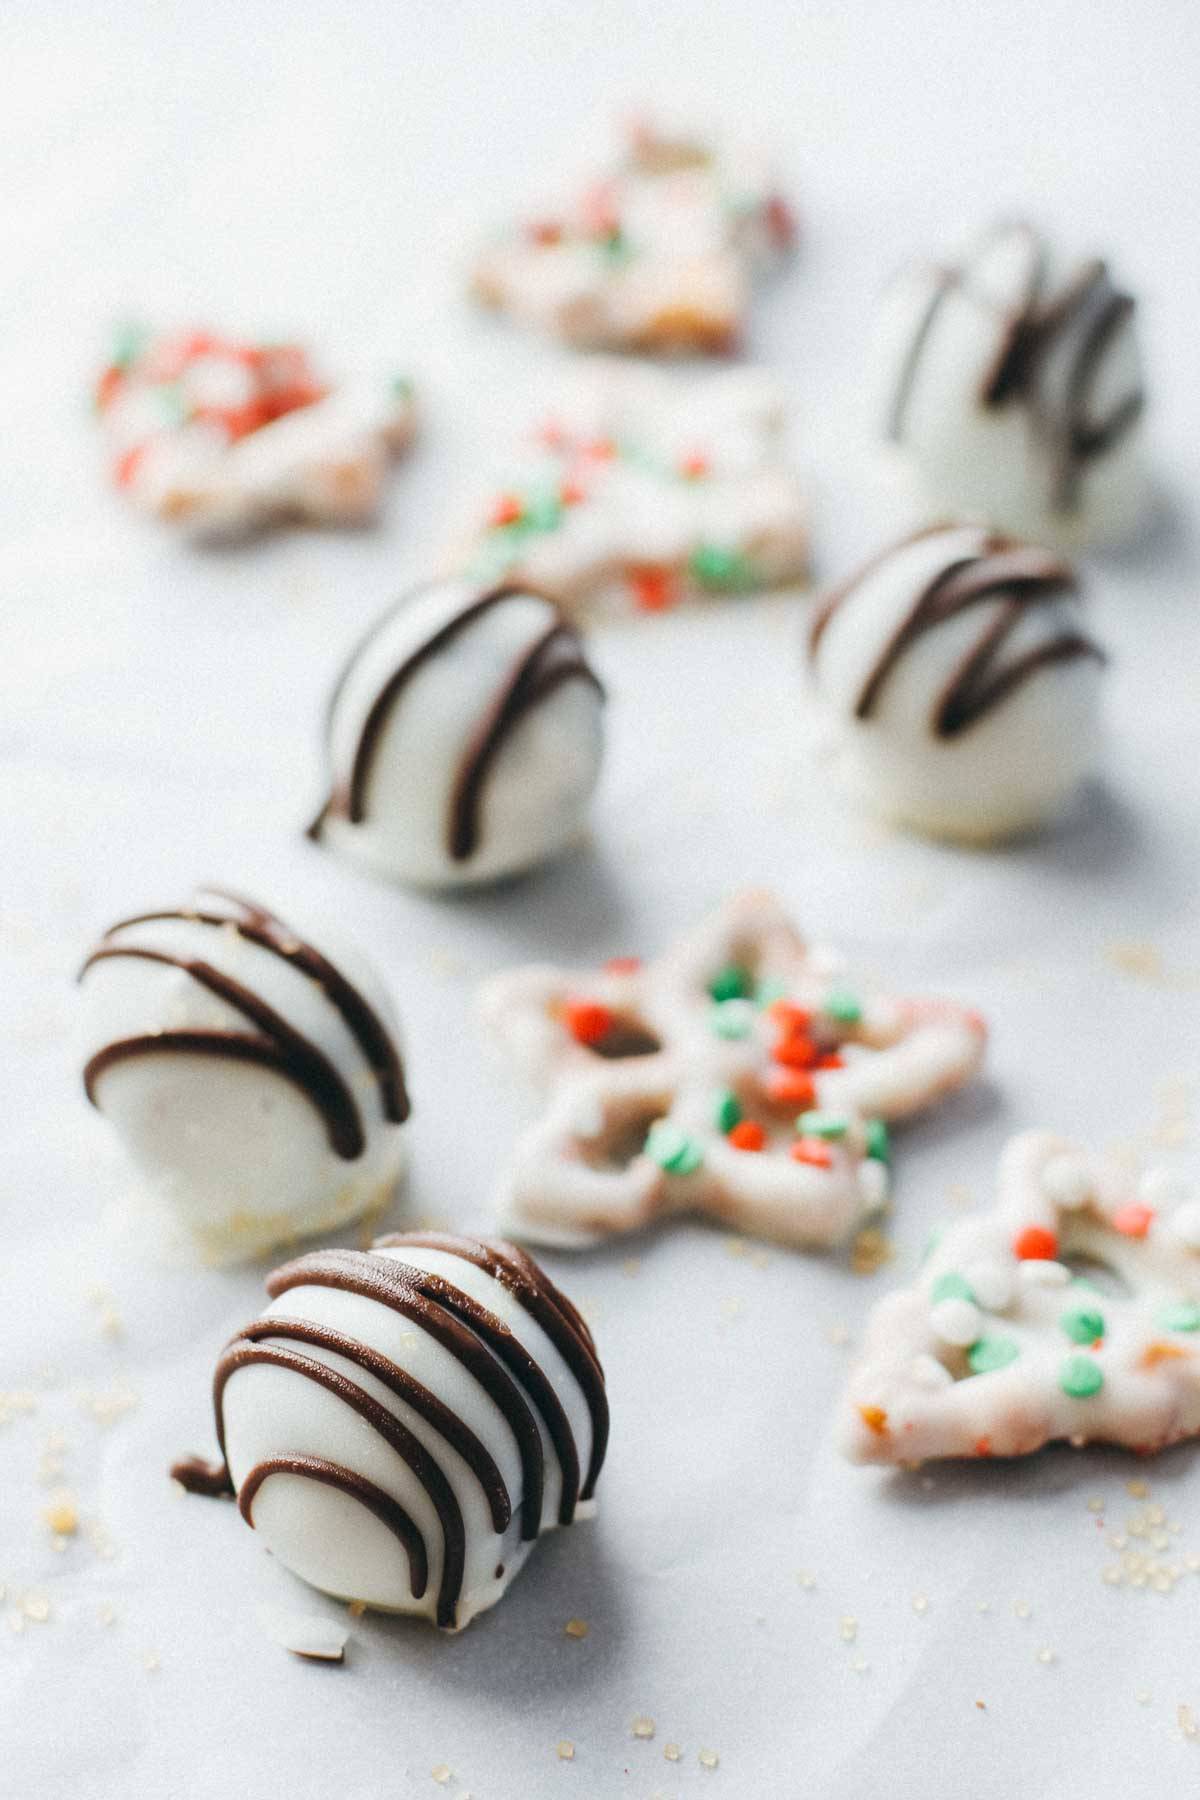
[(1080, 1377), (1134, 1220), (672, 1149), (843, 1006), (1184, 1315), (951, 1286), (728, 1111), (730, 983), (792, 1020), (587, 1021), (732, 1019), (623, 965), (748, 1135), (694, 467), (506, 509), (791, 1087), (768, 992), (989, 1353), (879, 1144), (1036, 1244), (822, 1125), (544, 513), (714, 566), (795, 1052), (1083, 1325), (812, 1152), (571, 493), (654, 589), (874, 1418)]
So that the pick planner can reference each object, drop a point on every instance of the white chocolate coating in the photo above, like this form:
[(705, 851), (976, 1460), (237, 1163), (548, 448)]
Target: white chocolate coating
[(1013, 761), (434, 675), (1056, 1355), (390, 1340), (639, 490), (657, 255), (1050, 448), (239, 1152), (628, 1137)]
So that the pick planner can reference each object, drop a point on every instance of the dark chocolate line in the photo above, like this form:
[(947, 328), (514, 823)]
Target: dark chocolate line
[(386, 1510), (440, 1310), (536, 674), (299, 1059), (212, 1479), (243, 1354)]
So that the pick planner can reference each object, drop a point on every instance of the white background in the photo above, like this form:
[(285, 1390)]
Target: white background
[(269, 166)]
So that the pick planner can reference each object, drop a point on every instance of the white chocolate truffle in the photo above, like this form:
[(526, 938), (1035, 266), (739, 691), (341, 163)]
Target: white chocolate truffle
[(402, 1423), (257, 1085), (1014, 386), (464, 737), (963, 692)]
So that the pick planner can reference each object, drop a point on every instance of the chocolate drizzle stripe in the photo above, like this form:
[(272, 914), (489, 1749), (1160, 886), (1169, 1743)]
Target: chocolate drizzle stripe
[(213, 1480), (536, 674), (405, 1387), (298, 1058), (242, 1355), (898, 410), (440, 1310), (262, 928), (386, 1510), (542, 1302), (835, 596)]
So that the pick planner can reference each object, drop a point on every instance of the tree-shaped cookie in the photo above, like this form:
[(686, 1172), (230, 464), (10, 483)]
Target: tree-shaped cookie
[(1070, 1311), (742, 1075), (636, 491), (220, 436)]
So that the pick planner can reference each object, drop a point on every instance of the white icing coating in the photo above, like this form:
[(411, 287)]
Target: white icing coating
[(638, 490), (535, 790), (237, 1153), (1014, 763), (1054, 1355), (600, 1159), (181, 427), (942, 336), (330, 1538), (658, 254)]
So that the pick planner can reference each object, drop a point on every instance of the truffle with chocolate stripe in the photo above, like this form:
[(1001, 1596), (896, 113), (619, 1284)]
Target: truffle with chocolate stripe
[(403, 1423), (960, 683), (255, 1080), (464, 737), (1012, 382)]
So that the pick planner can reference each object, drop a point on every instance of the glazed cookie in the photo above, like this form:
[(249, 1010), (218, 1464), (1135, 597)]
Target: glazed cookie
[(742, 1075), (256, 1083), (464, 737), (658, 255), (636, 491), (1013, 384), (960, 686), (1071, 1311), (221, 437), (402, 1423)]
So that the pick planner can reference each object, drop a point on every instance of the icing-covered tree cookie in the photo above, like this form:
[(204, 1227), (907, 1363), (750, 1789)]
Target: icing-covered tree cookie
[(220, 436), (742, 1075), (637, 491), (1070, 1311), (659, 254), (1013, 383)]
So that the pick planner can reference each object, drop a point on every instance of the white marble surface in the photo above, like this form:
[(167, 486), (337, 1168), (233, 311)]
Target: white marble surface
[(265, 166)]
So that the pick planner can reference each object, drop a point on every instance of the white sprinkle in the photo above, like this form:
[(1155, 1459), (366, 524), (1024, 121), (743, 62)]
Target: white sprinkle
[(991, 1281), (956, 1321), (1039, 1272)]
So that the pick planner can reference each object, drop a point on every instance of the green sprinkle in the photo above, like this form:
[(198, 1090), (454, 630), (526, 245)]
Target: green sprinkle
[(843, 1006), (767, 992), (1080, 1377), (879, 1144), (616, 247), (731, 1019), (951, 1286), (129, 340), (717, 567), (544, 513), (170, 399), (728, 1110), (1082, 1325), (1184, 1315), (932, 1242), (1085, 1281), (730, 983), (402, 387), (822, 1125), (990, 1353), (672, 1149)]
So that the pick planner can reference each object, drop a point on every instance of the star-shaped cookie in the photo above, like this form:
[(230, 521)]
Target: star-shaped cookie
[(220, 437), (742, 1075), (1069, 1311)]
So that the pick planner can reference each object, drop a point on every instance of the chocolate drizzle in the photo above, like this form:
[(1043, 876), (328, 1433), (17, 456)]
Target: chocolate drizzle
[(482, 1344), (1016, 575), (555, 657), (1031, 333), (278, 1046)]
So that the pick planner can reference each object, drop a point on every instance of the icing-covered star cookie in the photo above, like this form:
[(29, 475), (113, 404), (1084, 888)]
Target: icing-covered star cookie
[(637, 490), (1013, 383), (221, 437), (741, 1075), (1070, 1311), (657, 255)]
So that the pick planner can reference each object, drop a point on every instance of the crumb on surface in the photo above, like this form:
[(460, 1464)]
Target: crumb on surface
[(642, 1727), (576, 1628), (708, 1759), (356, 1608), (565, 1750), (871, 1250), (848, 1628), (441, 1773), (672, 1752)]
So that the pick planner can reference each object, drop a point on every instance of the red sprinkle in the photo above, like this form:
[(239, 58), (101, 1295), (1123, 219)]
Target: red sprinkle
[(795, 1053), (506, 510), (780, 222), (599, 449), (587, 1021), (1036, 1244), (623, 965), (127, 466), (546, 231), (983, 1446), (108, 387), (571, 493), (813, 1152), (695, 466), (790, 1017), (748, 1135), (792, 1087), (831, 1061), (654, 589), (1133, 1221)]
